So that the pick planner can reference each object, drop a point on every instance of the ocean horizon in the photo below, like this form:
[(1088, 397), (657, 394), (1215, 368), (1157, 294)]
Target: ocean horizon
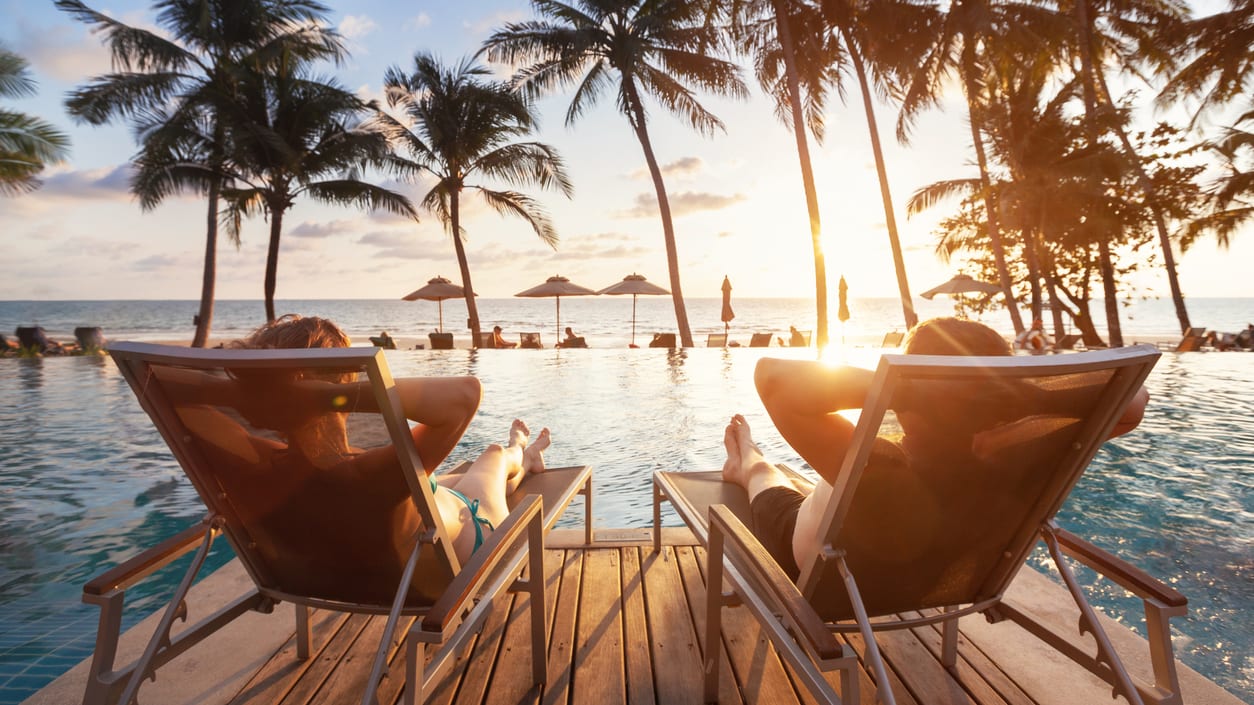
[(605, 321)]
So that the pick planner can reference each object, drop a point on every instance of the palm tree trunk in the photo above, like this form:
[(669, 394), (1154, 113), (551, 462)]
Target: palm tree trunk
[(1110, 291), (204, 319), (890, 219), (272, 260), (472, 311), (1034, 271), (637, 119), (807, 171), (990, 205), (1147, 188)]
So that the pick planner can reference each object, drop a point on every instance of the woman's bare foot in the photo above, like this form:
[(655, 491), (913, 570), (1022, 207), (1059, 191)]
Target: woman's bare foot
[(732, 466), (518, 433), (533, 454)]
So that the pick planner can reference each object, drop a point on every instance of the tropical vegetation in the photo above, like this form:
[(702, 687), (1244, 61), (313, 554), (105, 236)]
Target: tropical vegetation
[(645, 49), (28, 144), (461, 126), (1072, 190)]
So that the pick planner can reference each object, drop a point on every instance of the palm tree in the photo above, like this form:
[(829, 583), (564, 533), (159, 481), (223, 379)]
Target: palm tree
[(1231, 197), (656, 48), (782, 32), (1135, 36), (1223, 65), (27, 143), (183, 80), (971, 35), (290, 136), (462, 126)]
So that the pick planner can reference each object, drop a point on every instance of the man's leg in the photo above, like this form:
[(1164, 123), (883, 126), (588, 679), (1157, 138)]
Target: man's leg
[(773, 500)]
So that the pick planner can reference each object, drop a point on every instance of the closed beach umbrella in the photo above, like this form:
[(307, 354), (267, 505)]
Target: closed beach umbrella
[(557, 287), (636, 285), (437, 289), (842, 312), (728, 313)]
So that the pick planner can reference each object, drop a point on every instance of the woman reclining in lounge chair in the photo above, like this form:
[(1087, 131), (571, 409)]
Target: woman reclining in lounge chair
[(802, 398), (313, 456)]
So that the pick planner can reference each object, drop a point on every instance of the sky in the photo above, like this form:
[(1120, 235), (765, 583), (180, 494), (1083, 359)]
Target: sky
[(736, 196)]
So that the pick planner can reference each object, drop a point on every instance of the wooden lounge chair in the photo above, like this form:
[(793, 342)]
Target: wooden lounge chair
[(662, 340), (441, 341), (1192, 340), (892, 339), (1068, 341), (530, 341), (760, 340), (716, 340), (944, 540), (90, 338), (486, 340), (312, 537)]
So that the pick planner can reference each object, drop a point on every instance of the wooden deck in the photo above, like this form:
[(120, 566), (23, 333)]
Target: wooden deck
[(625, 625)]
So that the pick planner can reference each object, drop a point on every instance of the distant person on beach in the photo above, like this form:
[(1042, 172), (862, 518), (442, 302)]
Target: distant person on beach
[(795, 338), (1034, 339), (802, 398), (499, 340), (571, 340), (313, 459)]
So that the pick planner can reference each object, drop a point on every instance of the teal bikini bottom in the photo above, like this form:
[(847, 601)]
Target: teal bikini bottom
[(473, 506)]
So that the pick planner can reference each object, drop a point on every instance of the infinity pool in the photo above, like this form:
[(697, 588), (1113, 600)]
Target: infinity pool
[(85, 480)]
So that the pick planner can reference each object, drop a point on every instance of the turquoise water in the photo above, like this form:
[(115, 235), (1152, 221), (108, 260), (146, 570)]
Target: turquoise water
[(86, 482)]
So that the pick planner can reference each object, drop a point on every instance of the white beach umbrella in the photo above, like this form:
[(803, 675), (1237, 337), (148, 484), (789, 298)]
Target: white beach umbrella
[(437, 289), (557, 286), (636, 285)]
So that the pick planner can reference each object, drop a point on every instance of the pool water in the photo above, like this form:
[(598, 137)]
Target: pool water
[(86, 482)]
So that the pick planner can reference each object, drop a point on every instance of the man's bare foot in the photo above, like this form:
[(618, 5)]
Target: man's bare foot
[(533, 454), (751, 457), (518, 433)]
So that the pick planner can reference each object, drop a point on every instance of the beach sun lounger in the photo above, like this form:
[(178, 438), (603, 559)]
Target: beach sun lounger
[(892, 339), (441, 341), (902, 549), (760, 340), (311, 534), (716, 340), (530, 341)]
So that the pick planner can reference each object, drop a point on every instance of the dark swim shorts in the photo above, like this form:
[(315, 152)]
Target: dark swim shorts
[(774, 520)]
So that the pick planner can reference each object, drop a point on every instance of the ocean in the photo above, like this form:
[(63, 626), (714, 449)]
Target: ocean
[(85, 480)]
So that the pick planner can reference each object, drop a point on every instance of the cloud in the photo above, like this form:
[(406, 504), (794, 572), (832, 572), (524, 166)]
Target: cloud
[(111, 184), (154, 263), (393, 244), (685, 166), (311, 229), (65, 52), (681, 204), (355, 27), (494, 21), (418, 21)]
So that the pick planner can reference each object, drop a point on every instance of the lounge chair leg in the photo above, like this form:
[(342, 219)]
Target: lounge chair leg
[(535, 578), (713, 612), (371, 696), (414, 685), (883, 688), (587, 511), (949, 641), (1088, 618), (849, 692), (657, 517), (107, 633), (1163, 658), (302, 632)]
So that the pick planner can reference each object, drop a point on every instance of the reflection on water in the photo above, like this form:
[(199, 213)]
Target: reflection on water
[(86, 481)]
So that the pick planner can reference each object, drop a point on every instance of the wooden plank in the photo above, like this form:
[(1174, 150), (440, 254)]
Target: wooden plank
[(512, 682), (694, 590), (974, 670), (562, 645), (599, 676), (272, 682), (922, 674), (636, 627), (755, 663), (305, 688), (676, 655), (484, 654), (347, 682), (867, 684)]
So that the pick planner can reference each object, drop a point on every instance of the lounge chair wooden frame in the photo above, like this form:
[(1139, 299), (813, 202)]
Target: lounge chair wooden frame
[(717, 513), (468, 590), (716, 340)]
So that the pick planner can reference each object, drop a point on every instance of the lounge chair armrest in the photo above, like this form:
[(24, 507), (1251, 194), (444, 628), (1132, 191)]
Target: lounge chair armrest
[(1133, 579), (755, 563), (150, 561), (511, 534)]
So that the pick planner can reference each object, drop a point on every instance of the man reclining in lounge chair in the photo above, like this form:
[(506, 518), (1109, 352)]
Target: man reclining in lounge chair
[(312, 459), (802, 398)]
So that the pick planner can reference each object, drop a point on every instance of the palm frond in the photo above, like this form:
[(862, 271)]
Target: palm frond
[(525, 207), (132, 49), (928, 196), (350, 192)]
